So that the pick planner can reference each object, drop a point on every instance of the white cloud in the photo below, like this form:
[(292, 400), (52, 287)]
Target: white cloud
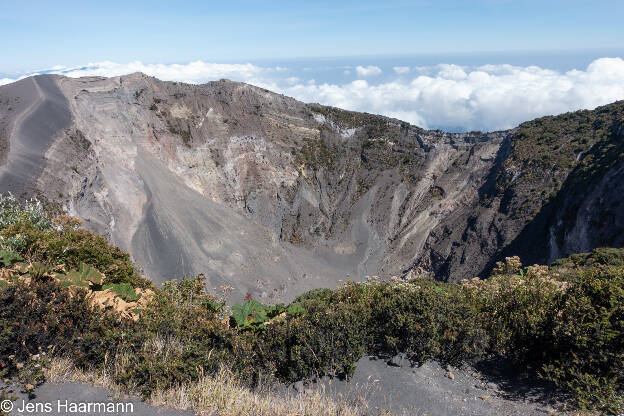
[(454, 72), (193, 72), (4, 81), (401, 70), (367, 71), (489, 97)]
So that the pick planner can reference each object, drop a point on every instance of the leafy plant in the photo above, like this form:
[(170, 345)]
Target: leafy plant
[(250, 313), (8, 257), (85, 276), (124, 291)]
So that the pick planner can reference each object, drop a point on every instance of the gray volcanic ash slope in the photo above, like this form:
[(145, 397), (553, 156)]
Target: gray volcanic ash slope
[(35, 111), (274, 197)]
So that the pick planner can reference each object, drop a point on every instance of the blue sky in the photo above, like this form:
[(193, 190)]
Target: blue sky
[(454, 65), (38, 34)]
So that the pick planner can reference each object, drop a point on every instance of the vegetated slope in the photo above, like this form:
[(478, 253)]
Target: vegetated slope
[(562, 323), (267, 194)]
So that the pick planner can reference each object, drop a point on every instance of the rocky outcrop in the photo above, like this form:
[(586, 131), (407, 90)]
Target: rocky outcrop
[(273, 196)]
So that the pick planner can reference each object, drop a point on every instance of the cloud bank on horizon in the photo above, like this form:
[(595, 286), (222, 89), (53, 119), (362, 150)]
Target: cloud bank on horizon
[(445, 96)]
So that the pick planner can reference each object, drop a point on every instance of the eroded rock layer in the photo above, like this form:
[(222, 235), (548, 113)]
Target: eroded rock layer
[(274, 197)]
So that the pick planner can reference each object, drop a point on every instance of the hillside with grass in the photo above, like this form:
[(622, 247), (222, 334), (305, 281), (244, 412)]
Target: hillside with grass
[(71, 305)]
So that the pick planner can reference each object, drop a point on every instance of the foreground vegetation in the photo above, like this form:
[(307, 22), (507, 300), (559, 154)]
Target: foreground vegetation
[(222, 393), (564, 323)]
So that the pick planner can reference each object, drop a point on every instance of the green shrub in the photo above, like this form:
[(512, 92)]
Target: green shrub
[(295, 310), (564, 324), (178, 338), (517, 311), (74, 247), (599, 256), (427, 320), (32, 211), (27, 229), (321, 295), (44, 317), (586, 353), (190, 294), (38, 270), (322, 341)]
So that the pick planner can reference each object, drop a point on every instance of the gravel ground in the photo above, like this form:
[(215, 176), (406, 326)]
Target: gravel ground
[(434, 390)]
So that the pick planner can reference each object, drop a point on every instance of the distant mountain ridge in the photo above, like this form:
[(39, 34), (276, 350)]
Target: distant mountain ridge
[(274, 197)]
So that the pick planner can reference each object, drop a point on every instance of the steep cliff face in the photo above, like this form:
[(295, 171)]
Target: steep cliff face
[(273, 196), (553, 191), (584, 208)]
